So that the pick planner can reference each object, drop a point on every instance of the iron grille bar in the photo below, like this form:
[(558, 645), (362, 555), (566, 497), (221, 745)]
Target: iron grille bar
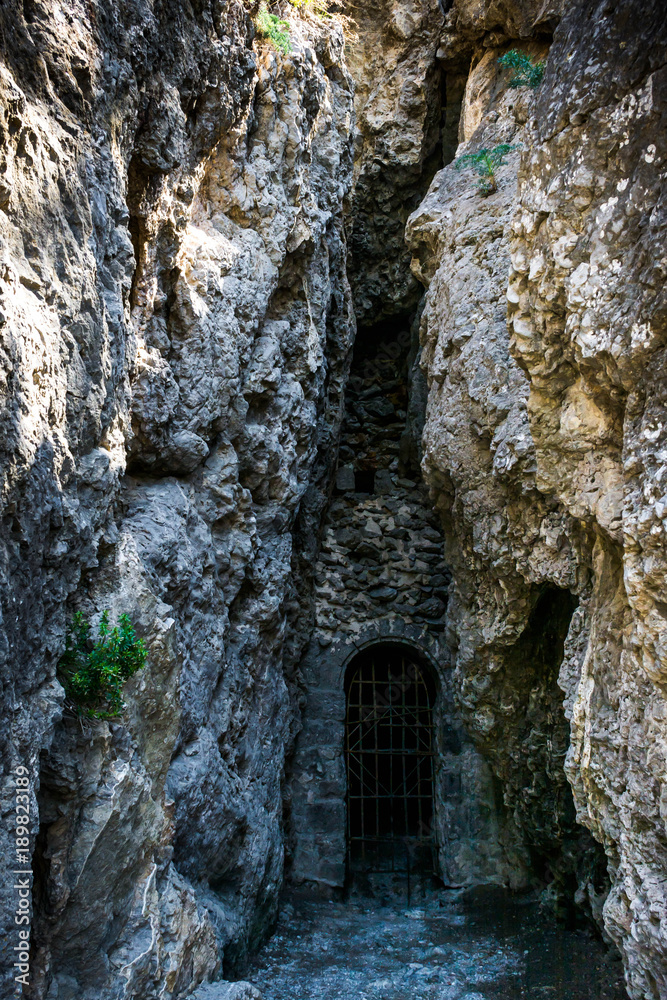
[(389, 753)]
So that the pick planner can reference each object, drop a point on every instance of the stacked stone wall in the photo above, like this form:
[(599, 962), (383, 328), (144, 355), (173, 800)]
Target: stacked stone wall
[(381, 576)]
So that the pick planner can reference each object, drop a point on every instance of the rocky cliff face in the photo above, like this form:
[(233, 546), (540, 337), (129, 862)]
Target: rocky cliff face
[(542, 444), (175, 330), (176, 324)]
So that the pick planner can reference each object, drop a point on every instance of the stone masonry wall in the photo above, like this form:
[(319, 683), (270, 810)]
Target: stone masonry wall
[(381, 575)]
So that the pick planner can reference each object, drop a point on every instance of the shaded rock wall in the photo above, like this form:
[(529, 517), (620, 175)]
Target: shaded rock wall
[(398, 106), (477, 447), (542, 446), (380, 577), (176, 324), (589, 329)]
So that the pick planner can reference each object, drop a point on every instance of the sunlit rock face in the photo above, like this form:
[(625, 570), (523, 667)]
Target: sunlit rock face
[(543, 441), (175, 330)]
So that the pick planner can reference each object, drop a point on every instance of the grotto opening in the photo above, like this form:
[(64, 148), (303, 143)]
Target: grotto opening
[(389, 749), (333, 633)]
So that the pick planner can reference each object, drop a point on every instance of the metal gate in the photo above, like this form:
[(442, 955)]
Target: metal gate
[(389, 753)]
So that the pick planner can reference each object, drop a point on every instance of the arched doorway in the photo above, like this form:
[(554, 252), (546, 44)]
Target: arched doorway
[(389, 749)]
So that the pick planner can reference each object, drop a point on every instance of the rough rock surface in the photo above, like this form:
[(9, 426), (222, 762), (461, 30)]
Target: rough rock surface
[(477, 944), (226, 991), (477, 445), (175, 332), (397, 146), (542, 447)]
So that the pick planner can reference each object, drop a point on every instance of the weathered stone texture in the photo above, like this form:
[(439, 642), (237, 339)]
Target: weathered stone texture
[(175, 305), (175, 336), (587, 314), (397, 146), (542, 448), (477, 448)]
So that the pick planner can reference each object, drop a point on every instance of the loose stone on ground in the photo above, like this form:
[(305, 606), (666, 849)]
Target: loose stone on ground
[(482, 944)]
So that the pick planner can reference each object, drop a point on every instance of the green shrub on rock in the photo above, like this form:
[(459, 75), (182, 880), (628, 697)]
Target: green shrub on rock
[(526, 72), (328, 10), (485, 162), (273, 28), (94, 672), (276, 30)]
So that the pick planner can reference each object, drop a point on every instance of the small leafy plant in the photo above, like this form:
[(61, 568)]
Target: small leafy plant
[(485, 163), (94, 672), (273, 28), (276, 30), (526, 72)]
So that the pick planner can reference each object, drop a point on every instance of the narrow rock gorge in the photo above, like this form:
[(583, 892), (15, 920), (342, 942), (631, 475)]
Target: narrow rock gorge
[(329, 348)]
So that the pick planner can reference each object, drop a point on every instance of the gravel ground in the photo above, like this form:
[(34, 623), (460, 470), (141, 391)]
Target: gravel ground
[(448, 945)]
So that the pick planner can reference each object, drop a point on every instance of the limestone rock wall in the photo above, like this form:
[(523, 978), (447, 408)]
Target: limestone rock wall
[(398, 106), (589, 329), (176, 326), (542, 446)]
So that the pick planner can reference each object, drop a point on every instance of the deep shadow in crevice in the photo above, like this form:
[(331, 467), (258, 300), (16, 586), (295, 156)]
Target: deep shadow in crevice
[(565, 859), (140, 182), (452, 88)]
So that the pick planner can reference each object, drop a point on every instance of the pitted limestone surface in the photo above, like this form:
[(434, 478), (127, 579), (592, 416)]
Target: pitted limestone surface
[(451, 945), (542, 445)]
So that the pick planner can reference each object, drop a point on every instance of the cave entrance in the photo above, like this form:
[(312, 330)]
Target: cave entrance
[(389, 748)]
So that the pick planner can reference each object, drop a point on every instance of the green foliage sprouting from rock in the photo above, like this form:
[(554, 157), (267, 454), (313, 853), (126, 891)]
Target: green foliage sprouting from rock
[(276, 30), (485, 162), (273, 28), (526, 72), (328, 10), (94, 671)]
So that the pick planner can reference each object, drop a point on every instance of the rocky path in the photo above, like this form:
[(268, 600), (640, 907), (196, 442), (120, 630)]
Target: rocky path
[(448, 946)]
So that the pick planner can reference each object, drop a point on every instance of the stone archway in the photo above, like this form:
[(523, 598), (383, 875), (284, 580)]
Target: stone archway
[(465, 827)]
